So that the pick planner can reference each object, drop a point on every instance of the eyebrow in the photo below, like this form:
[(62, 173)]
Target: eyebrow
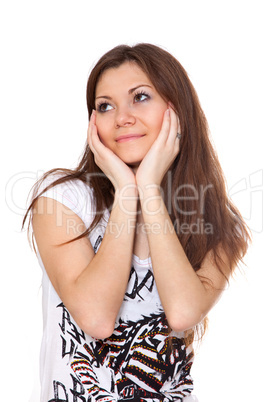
[(130, 91)]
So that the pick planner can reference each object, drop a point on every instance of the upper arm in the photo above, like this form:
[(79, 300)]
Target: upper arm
[(53, 225)]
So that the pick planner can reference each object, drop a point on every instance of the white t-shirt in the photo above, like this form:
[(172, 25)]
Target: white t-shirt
[(136, 362)]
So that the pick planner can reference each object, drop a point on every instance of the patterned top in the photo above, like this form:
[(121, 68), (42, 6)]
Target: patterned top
[(141, 361)]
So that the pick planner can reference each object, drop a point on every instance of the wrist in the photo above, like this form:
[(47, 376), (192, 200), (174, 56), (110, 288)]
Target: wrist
[(126, 199), (147, 183), (151, 199)]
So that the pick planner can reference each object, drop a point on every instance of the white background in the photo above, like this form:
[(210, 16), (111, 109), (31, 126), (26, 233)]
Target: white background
[(47, 51)]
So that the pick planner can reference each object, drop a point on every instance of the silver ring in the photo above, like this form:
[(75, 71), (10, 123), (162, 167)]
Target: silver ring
[(178, 136)]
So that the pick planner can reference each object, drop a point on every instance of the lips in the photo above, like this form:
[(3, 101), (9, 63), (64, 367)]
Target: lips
[(129, 137)]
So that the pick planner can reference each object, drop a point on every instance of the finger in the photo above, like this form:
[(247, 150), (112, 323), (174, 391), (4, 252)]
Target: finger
[(164, 132), (179, 125), (173, 125), (89, 131), (175, 131), (173, 112), (89, 137), (94, 141)]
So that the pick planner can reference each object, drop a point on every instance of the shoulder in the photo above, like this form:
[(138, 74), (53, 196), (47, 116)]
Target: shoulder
[(73, 193)]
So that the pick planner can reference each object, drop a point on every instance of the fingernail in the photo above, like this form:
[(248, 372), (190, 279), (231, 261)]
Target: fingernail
[(168, 112)]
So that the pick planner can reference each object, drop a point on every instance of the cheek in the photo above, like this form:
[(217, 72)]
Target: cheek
[(157, 121)]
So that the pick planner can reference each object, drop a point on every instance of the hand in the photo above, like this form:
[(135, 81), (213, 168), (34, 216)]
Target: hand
[(112, 166), (162, 153)]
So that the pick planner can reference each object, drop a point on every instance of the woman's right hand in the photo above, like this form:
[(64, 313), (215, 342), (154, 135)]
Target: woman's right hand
[(120, 175)]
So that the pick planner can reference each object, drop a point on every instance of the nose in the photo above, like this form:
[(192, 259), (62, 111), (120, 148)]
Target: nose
[(124, 117)]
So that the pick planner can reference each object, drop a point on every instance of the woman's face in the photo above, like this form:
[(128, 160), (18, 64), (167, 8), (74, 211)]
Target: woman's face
[(129, 112)]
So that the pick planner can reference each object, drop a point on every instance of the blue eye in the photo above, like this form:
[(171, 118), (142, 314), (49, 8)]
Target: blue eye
[(104, 107)]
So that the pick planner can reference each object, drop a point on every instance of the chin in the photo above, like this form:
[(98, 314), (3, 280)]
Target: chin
[(133, 166), (132, 161)]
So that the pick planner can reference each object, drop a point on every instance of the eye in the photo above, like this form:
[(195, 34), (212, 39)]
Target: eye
[(141, 97), (104, 107)]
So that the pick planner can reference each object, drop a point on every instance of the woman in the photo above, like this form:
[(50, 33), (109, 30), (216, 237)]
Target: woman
[(137, 243)]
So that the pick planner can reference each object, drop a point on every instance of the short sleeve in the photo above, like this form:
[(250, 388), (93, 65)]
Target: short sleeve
[(74, 194), (78, 197)]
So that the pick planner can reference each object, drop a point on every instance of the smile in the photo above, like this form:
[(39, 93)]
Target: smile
[(129, 137)]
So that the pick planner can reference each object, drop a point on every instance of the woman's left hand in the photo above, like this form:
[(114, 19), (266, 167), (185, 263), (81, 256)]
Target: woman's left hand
[(162, 153)]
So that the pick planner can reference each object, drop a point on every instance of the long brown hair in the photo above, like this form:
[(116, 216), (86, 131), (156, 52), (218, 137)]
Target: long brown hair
[(194, 188)]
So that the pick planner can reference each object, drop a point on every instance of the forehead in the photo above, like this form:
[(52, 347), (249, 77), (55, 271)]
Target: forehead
[(127, 76)]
